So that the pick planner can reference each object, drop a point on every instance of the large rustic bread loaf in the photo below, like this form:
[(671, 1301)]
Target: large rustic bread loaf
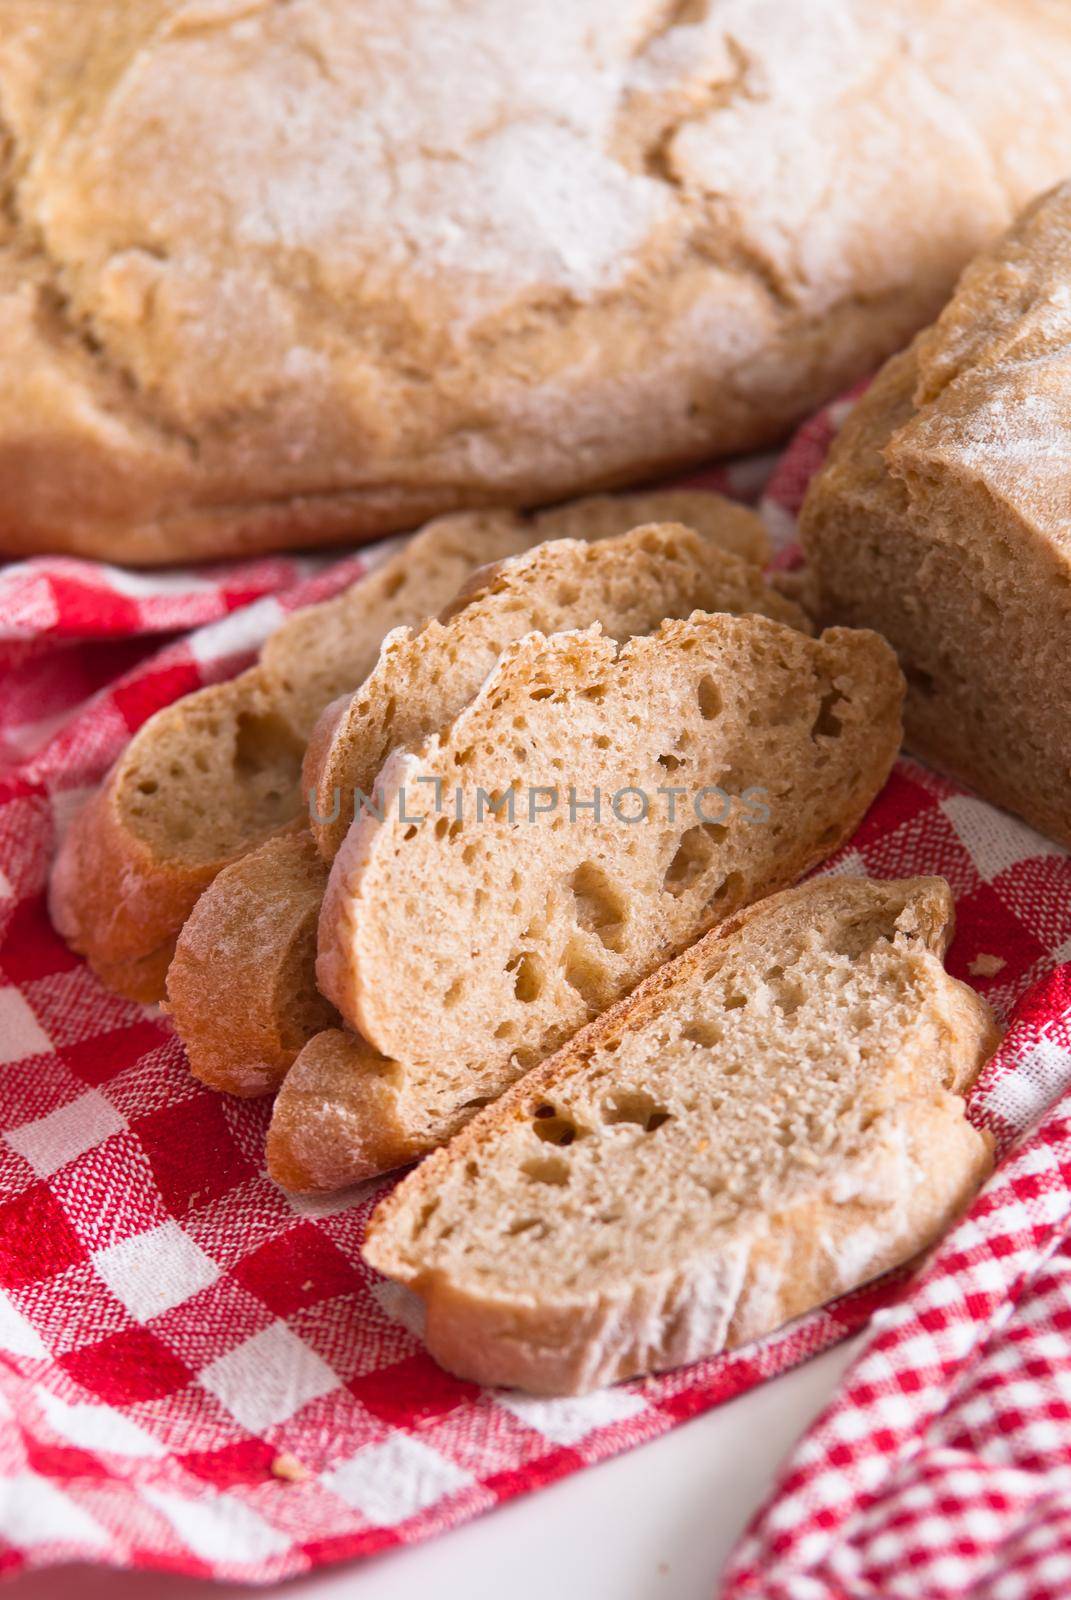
[(769, 1121), (242, 983), (274, 275), (943, 516), (468, 946), (218, 771)]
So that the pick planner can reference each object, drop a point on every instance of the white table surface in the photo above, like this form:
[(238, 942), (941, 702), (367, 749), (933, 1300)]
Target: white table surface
[(655, 1524)]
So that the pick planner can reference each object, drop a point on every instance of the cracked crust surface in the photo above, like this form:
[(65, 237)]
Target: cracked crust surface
[(768, 1121), (458, 254), (943, 519)]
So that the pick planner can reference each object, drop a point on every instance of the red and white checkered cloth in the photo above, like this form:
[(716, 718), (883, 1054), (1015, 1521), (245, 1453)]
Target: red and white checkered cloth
[(199, 1373)]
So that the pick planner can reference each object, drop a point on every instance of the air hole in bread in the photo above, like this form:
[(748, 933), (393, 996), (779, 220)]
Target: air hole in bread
[(529, 977), (728, 889), (555, 1129), (584, 973), (635, 1106), (442, 827), (692, 857), (670, 762), (921, 682), (453, 994), (547, 1169), (701, 1032), (394, 584), (827, 724), (148, 786), (525, 1225), (734, 1002), (265, 741), (709, 696), (568, 594), (600, 907), (505, 1030)]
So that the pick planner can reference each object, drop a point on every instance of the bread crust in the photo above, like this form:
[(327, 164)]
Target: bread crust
[(577, 269), (237, 986), (920, 1166), (941, 519)]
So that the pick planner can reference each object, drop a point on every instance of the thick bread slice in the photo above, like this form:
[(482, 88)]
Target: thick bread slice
[(241, 986), (209, 777), (339, 1103), (770, 1120), (942, 519), (628, 583), (472, 944), (423, 679)]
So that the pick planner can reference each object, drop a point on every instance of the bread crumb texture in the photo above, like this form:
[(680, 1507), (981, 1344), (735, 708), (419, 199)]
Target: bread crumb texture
[(466, 948), (772, 1119)]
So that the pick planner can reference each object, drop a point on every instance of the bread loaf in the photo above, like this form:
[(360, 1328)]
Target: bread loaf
[(242, 985), (469, 945), (279, 275), (942, 518), (768, 1121)]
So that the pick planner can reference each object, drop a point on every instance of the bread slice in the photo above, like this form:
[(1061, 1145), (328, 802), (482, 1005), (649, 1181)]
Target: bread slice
[(770, 1120), (942, 517), (242, 985), (470, 945), (211, 776), (251, 934), (422, 679)]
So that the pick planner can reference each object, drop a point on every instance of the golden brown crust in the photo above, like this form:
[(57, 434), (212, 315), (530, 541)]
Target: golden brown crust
[(579, 268), (112, 902), (242, 987), (339, 1117)]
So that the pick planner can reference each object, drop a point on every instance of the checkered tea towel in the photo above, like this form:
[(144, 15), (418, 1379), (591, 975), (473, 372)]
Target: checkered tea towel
[(198, 1373)]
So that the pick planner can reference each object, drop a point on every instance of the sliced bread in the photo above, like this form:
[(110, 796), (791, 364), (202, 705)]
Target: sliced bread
[(250, 937), (629, 584), (470, 945), (211, 776), (770, 1120), (216, 772)]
